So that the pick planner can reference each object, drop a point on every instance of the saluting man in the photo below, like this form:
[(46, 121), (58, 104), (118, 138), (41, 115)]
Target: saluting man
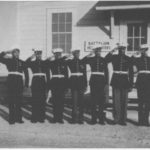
[(39, 69), (121, 82), (15, 84), (143, 84), (98, 81), (77, 83), (58, 84)]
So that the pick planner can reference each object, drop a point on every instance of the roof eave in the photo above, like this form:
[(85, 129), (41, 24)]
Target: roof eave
[(122, 7)]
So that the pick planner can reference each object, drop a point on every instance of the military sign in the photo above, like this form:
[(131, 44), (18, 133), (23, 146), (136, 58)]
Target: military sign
[(89, 44)]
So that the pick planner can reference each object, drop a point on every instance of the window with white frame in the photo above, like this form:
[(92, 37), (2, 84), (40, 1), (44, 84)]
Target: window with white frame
[(62, 31), (137, 35)]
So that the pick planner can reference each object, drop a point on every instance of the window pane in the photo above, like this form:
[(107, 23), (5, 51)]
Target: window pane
[(54, 27), (62, 17), (68, 17), (130, 44), (61, 27), (62, 46), (68, 48), (68, 38), (144, 31), (136, 30), (130, 30), (54, 45), (143, 41), (68, 27), (55, 18), (136, 44), (62, 38), (55, 38)]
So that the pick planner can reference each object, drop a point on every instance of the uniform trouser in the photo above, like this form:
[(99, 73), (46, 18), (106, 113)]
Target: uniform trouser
[(144, 106), (77, 104), (120, 97), (38, 98), (58, 95), (15, 91), (97, 99)]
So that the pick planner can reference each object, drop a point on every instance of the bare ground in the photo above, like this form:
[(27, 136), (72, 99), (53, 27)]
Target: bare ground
[(72, 136)]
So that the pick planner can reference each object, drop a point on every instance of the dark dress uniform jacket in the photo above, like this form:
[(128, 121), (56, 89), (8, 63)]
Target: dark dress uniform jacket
[(39, 66), (143, 79), (15, 82), (58, 67), (121, 63), (97, 64), (77, 66)]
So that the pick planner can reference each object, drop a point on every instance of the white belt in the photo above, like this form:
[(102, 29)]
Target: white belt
[(15, 73), (144, 71), (77, 74), (58, 76), (121, 72), (39, 74), (97, 73)]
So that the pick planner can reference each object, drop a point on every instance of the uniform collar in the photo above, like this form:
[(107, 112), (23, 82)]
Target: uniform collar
[(98, 57), (143, 56), (76, 58), (16, 59)]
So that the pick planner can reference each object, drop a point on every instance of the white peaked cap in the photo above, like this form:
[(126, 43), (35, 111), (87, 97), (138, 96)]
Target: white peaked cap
[(76, 49), (122, 44), (144, 46), (56, 50), (96, 46)]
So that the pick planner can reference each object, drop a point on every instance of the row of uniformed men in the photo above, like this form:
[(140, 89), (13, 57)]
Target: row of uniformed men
[(121, 82)]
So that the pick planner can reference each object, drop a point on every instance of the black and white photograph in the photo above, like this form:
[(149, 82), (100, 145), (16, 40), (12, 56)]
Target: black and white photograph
[(75, 74)]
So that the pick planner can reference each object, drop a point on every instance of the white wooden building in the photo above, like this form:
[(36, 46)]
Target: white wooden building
[(73, 24)]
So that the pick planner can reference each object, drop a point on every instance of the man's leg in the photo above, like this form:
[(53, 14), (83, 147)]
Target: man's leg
[(74, 105), (124, 103), (101, 102), (146, 108), (11, 106), (43, 105), (81, 105), (116, 104), (18, 105), (60, 106), (54, 100), (93, 106), (140, 107)]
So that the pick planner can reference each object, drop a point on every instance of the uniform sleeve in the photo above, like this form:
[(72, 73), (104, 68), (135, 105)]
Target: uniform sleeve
[(106, 72), (2, 59), (85, 75), (26, 73), (131, 74), (66, 71), (47, 68), (109, 57), (86, 60), (135, 61), (28, 62), (67, 62)]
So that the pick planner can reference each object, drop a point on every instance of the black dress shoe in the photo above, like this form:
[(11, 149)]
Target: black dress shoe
[(34, 121), (20, 121), (80, 122), (101, 122), (146, 124), (53, 120), (93, 122), (11, 122), (123, 123), (72, 122), (41, 121), (60, 121)]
